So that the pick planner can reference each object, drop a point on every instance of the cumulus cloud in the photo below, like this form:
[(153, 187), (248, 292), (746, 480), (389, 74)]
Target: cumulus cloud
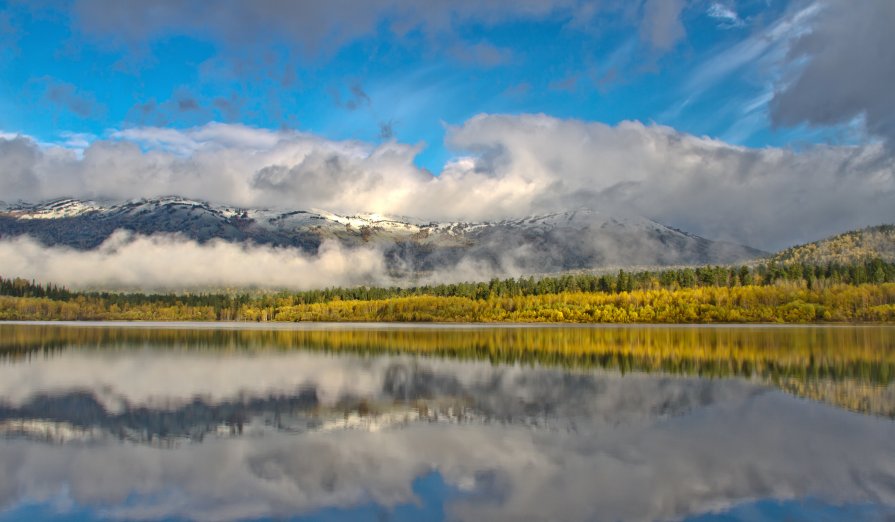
[(767, 197), (844, 68), (506, 166)]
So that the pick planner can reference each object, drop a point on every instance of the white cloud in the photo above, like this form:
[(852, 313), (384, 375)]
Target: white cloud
[(767, 197), (507, 166), (170, 262), (726, 16)]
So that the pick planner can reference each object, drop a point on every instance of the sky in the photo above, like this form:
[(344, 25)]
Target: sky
[(766, 122)]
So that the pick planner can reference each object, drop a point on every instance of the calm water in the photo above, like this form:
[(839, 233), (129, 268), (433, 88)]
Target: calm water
[(391, 423)]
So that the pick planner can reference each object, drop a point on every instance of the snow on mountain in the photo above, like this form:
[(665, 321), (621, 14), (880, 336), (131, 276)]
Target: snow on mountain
[(56, 209), (574, 239)]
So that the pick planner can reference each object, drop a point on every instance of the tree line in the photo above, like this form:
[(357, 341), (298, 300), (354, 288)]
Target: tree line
[(875, 271), (761, 293)]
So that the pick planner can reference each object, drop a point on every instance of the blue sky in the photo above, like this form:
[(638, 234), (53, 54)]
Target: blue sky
[(63, 76)]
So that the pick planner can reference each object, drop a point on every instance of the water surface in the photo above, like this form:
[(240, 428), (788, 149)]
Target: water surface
[(221, 422)]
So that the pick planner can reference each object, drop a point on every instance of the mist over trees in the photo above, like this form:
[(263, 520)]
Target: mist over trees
[(762, 293)]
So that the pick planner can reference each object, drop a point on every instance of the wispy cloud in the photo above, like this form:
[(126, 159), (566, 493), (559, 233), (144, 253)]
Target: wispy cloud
[(764, 49), (726, 17), (842, 69)]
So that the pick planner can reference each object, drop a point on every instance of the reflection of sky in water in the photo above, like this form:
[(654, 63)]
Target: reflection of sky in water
[(432, 494), (430, 491), (328, 437)]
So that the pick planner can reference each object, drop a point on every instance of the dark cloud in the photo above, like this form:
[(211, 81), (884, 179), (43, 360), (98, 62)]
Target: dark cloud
[(355, 97), (661, 23), (358, 96), (481, 54), (850, 69), (188, 104), (387, 130), (183, 106), (18, 157), (229, 107), (68, 96), (322, 27)]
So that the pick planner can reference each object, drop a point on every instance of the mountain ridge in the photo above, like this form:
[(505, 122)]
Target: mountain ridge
[(853, 246), (574, 239)]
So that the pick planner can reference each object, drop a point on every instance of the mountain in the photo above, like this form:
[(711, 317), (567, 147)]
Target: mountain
[(576, 239), (851, 247)]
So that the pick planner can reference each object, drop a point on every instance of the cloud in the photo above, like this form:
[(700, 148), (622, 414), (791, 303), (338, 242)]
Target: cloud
[(322, 28), (228, 107), (843, 69), (726, 17), (18, 155), (68, 96), (506, 166), (183, 106), (764, 197), (170, 262), (357, 97), (386, 130), (313, 26), (763, 50), (481, 54), (661, 25)]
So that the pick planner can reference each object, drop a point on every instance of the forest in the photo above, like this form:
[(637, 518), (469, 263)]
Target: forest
[(775, 293)]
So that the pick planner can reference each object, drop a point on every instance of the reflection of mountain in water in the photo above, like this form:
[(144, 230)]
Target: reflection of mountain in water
[(850, 367), (409, 393), (245, 425)]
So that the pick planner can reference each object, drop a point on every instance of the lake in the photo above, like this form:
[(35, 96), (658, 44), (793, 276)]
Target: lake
[(394, 422)]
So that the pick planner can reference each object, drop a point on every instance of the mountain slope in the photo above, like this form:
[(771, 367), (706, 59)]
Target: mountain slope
[(552, 242), (850, 247)]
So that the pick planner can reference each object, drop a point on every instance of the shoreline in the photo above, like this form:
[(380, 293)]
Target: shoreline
[(399, 325)]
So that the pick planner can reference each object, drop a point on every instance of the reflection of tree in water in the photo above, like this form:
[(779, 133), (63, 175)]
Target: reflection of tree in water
[(851, 367)]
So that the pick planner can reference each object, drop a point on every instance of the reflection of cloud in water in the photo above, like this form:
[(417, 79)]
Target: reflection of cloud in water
[(159, 380), (152, 397), (636, 447), (764, 445)]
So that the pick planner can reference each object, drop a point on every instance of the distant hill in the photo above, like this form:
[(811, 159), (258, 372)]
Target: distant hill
[(850, 247), (575, 239)]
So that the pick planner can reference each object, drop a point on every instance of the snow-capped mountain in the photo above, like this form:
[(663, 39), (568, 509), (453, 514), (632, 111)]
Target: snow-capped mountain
[(574, 239)]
